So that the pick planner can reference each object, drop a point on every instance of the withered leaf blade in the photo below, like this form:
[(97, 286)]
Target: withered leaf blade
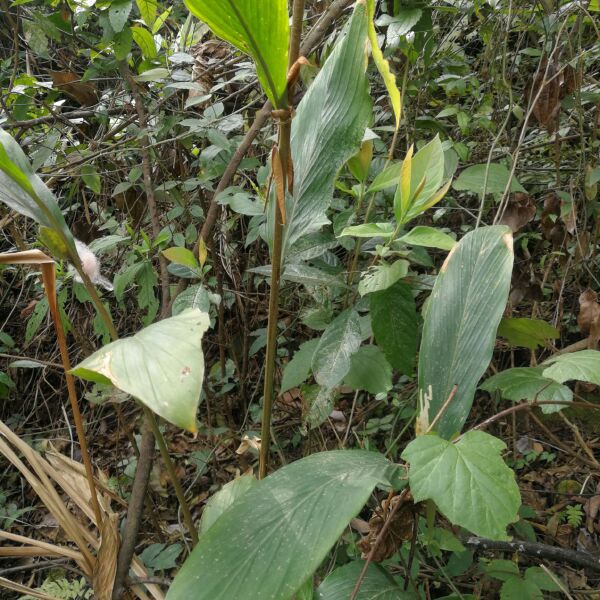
[(588, 318), (83, 92), (105, 568), (519, 211)]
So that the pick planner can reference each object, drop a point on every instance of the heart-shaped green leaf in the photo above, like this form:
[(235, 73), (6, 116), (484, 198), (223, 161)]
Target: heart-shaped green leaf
[(468, 481), (162, 366)]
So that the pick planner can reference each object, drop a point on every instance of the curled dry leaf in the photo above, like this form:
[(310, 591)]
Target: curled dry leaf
[(248, 443), (519, 212), (399, 530), (83, 92), (588, 318), (553, 228)]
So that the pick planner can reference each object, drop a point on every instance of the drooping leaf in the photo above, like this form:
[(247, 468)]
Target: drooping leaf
[(369, 371), (429, 237), (528, 383), (395, 325), (383, 66), (473, 178), (260, 29), (527, 333), (376, 585), (218, 503), (321, 145), (298, 369), (331, 359), (162, 366), (468, 481), (275, 536), (23, 191), (461, 319), (581, 366), (382, 276)]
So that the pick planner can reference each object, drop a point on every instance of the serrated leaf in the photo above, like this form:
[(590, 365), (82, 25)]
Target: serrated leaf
[(321, 145), (298, 369), (162, 366), (528, 383), (460, 323), (527, 333), (277, 534), (468, 481), (341, 339), (260, 29), (581, 366), (369, 371), (395, 325), (382, 276)]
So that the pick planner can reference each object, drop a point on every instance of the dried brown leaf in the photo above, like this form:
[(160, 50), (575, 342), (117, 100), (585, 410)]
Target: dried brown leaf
[(83, 92), (519, 211), (105, 569)]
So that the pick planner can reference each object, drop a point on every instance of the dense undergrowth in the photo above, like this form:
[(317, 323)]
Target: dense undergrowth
[(437, 309)]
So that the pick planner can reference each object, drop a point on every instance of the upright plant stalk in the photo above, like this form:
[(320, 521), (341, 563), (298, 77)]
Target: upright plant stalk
[(285, 158), (49, 278)]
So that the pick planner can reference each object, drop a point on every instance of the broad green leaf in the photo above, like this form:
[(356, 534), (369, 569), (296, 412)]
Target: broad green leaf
[(195, 296), (468, 481), (321, 144), (91, 178), (320, 403), (162, 366), (382, 276), (147, 10), (118, 13), (502, 569), (378, 584), (298, 369), (395, 325), (461, 319), (332, 357), (527, 333), (383, 66), (218, 503), (143, 38), (388, 178), (276, 535), (369, 371), (403, 193), (23, 191), (260, 29), (581, 366), (359, 164), (528, 383), (473, 178), (516, 588), (181, 256), (157, 74), (542, 579), (429, 237), (369, 230)]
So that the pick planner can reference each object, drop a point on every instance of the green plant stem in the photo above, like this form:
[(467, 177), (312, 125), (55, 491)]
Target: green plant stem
[(285, 130), (164, 452)]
